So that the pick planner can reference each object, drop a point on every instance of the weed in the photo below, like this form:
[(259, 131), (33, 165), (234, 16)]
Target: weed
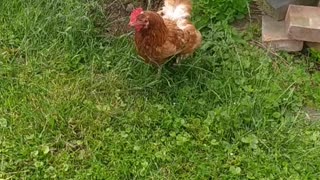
[(220, 10)]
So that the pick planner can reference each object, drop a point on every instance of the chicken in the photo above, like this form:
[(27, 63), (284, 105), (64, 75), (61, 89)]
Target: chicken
[(169, 32)]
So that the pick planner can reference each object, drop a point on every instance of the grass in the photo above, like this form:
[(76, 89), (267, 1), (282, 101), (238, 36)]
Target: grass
[(76, 105)]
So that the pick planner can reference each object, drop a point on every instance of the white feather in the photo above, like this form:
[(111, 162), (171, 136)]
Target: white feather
[(175, 12)]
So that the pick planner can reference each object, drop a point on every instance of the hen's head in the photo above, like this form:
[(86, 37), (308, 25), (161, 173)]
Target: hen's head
[(138, 20)]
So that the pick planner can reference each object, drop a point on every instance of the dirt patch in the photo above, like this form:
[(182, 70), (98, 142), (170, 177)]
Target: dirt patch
[(117, 13), (312, 114)]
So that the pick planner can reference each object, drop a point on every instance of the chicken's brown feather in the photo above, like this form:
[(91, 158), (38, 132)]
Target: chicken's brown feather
[(163, 38)]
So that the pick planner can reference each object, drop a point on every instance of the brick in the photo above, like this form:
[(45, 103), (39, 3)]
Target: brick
[(278, 8), (303, 23), (274, 36)]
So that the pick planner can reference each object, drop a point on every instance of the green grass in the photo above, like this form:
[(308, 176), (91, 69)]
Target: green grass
[(76, 105)]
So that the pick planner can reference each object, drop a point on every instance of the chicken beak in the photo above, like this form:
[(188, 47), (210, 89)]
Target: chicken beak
[(131, 24)]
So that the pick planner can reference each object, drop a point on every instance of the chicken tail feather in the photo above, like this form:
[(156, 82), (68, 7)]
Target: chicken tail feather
[(176, 9)]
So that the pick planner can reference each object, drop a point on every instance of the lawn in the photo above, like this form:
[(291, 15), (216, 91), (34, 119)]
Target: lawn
[(78, 103)]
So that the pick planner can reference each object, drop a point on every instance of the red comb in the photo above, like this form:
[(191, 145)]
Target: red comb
[(135, 13)]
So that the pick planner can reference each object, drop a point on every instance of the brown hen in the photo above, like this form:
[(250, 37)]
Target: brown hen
[(159, 36)]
